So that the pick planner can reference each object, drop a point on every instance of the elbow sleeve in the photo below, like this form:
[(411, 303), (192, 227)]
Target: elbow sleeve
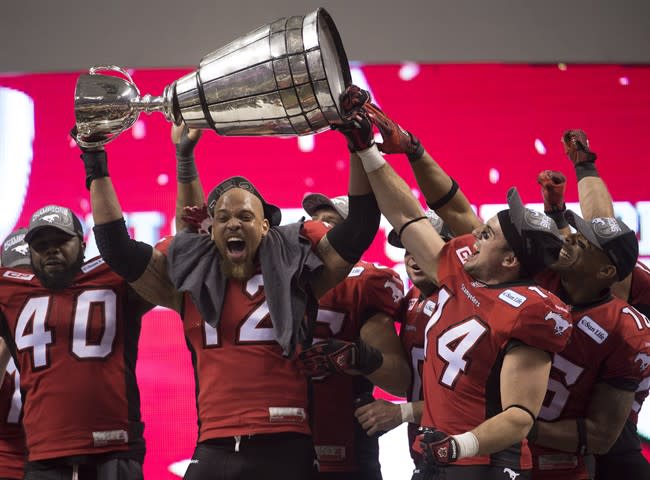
[(354, 235), (126, 257)]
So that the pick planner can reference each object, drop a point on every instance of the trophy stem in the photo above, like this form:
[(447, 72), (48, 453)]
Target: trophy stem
[(148, 104)]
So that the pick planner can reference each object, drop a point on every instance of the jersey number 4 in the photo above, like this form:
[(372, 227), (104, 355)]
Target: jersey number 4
[(34, 333), (455, 344)]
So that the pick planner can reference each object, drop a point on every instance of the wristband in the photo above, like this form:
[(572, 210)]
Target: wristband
[(416, 154), (407, 412), (558, 218), (586, 169), (467, 444), (371, 159)]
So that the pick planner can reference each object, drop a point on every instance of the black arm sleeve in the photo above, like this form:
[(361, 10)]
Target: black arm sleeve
[(126, 257), (354, 234)]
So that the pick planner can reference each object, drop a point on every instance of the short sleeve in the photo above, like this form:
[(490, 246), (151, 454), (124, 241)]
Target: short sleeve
[(542, 325), (453, 255), (383, 291)]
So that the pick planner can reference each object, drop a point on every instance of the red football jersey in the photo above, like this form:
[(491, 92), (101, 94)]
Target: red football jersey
[(341, 445), (609, 343), (466, 340), (12, 438), (640, 299), (75, 350), (414, 315), (244, 385)]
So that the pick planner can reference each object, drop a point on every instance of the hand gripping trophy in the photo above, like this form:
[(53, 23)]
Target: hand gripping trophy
[(284, 78)]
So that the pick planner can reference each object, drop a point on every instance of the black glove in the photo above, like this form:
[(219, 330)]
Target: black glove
[(356, 127), (338, 356), (95, 161), (436, 447)]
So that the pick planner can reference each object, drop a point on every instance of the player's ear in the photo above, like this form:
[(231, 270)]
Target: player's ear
[(265, 227), (607, 272), (510, 260)]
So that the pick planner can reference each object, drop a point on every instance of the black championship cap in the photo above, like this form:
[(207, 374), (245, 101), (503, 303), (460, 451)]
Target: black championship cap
[(271, 212), (54, 216), (15, 251), (533, 236), (435, 220), (612, 236), (314, 201)]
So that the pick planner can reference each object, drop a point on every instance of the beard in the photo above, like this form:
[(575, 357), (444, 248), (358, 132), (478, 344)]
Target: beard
[(59, 280), (238, 271)]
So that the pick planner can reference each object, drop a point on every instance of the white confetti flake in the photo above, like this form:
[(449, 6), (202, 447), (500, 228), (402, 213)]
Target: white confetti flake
[(539, 146), (494, 175), (307, 143), (163, 179), (409, 71)]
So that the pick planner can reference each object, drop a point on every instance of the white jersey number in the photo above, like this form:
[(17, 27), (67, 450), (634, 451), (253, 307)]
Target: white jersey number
[(16, 400), (464, 338), (33, 331), (570, 373)]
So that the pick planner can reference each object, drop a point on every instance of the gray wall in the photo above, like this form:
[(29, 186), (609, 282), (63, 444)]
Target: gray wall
[(49, 35)]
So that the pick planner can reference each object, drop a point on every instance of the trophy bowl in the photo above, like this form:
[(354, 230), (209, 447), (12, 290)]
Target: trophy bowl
[(284, 78)]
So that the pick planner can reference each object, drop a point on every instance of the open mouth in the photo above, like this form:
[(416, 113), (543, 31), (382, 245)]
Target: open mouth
[(236, 247)]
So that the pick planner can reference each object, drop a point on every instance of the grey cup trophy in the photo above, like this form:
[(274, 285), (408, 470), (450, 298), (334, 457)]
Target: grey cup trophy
[(283, 78)]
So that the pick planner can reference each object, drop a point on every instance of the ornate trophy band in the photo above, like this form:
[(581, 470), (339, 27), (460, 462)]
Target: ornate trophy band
[(284, 78)]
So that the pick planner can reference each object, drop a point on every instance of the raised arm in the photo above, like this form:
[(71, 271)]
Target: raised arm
[(138, 263), (595, 200), (189, 191), (440, 191)]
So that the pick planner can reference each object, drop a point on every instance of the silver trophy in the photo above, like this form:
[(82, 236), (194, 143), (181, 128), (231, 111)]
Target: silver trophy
[(284, 78)]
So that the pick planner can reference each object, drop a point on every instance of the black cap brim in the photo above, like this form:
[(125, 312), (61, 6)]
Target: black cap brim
[(272, 213), (583, 227)]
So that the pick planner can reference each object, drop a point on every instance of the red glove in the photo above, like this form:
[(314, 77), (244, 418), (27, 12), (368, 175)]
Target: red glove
[(576, 147), (436, 447), (356, 127), (197, 218), (339, 356), (396, 139), (553, 187)]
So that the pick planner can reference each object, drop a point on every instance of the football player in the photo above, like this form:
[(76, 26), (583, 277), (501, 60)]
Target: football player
[(359, 309), (15, 255), (72, 328), (243, 292), (488, 344), (416, 308), (624, 459)]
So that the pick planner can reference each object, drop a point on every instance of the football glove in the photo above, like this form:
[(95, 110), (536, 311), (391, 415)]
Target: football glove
[(576, 147), (356, 126), (197, 218), (553, 186), (436, 447), (95, 161), (339, 356), (396, 139)]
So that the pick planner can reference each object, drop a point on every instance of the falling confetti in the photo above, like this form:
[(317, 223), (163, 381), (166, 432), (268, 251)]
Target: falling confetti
[(340, 165), (409, 71), (624, 81), (309, 182), (307, 143), (139, 130), (163, 179), (539, 146), (562, 66), (494, 175)]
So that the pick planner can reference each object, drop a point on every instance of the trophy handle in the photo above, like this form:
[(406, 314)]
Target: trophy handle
[(113, 68)]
